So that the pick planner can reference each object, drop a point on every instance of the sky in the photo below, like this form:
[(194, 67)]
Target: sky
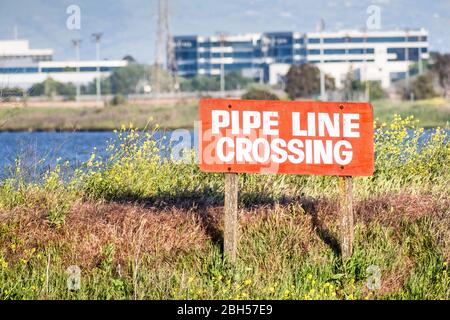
[(129, 26)]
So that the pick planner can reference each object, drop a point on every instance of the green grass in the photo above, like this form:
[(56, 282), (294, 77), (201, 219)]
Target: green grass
[(108, 118), (140, 228), (430, 113)]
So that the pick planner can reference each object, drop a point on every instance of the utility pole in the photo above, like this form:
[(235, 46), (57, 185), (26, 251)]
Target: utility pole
[(170, 49), (264, 48), (222, 64), (163, 42), (419, 58), (97, 38), (76, 43), (407, 63), (321, 27), (16, 32), (366, 80)]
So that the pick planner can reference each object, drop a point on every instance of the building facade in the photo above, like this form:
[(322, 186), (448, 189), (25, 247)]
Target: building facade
[(383, 56), (22, 67)]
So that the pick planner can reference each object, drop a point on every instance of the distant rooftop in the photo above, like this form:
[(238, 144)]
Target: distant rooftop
[(12, 48)]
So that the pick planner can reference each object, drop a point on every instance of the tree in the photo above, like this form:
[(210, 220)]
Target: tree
[(442, 69), (304, 81), (234, 80), (7, 93), (256, 93), (376, 92), (129, 58), (125, 80), (50, 88), (422, 87)]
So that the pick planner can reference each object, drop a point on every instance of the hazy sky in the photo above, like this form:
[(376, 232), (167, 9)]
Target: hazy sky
[(129, 26)]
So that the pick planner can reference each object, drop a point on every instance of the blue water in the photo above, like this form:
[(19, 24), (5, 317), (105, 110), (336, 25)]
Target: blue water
[(39, 151)]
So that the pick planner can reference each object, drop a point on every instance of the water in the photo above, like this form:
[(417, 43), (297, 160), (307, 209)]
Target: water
[(39, 151)]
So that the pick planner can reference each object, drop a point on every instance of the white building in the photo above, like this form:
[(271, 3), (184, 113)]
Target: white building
[(383, 56), (22, 67)]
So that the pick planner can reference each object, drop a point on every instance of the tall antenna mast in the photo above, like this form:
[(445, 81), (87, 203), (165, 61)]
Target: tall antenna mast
[(164, 45), (16, 32), (170, 47), (159, 47)]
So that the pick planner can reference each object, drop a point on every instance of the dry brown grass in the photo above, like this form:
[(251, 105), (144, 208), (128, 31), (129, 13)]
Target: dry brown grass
[(131, 227)]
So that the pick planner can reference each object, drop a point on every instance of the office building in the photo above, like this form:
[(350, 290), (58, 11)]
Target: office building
[(383, 56)]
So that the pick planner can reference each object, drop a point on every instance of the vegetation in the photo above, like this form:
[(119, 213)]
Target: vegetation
[(304, 81), (430, 113), (422, 87), (233, 81), (143, 227), (177, 115), (354, 88), (7, 93), (259, 93), (441, 68), (51, 88)]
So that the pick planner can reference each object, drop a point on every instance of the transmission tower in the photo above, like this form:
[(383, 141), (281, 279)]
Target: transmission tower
[(164, 42)]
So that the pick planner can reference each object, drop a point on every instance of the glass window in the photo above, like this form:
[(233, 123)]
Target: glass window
[(204, 54), (314, 40), (334, 51), (334, 40), (399, 52), (244, 54), (186, 55), (187, 67), (301, 51), (55, 69), (356, 51), (84, 69), (356, 39), (386, 39)]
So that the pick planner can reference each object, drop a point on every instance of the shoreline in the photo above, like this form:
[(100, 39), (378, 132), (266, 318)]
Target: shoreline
[(95, 130), (431, 114)]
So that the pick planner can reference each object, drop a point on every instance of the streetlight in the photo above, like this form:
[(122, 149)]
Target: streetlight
[(321, 27), (222, 64), (265, 42), (76, 43), (408, 75), (97, 38), (221, 36)]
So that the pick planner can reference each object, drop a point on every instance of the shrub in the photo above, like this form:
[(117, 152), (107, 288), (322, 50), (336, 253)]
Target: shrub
[(259, 94), (118, 100), (422, 87), (304, 81)]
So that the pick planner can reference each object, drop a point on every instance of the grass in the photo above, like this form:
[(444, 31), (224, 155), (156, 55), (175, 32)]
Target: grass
[(180, 115), (430, 113), (140, 227)]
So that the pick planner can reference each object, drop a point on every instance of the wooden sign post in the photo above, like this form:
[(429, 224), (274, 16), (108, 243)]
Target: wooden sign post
[(346, 210), (231, 216), (286, 137)]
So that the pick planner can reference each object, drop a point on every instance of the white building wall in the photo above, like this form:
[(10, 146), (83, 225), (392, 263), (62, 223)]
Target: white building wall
[(17, 54)]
